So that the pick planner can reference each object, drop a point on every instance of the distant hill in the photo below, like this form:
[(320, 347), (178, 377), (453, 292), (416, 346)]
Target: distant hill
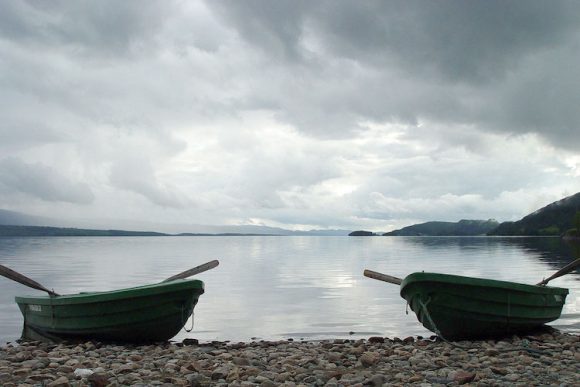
[(461, 228), (44, 231), (552, 220), (97, 226), (38, 231)]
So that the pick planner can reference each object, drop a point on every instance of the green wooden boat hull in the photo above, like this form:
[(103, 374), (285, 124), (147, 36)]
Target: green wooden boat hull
[(458, 307), (141, 314)]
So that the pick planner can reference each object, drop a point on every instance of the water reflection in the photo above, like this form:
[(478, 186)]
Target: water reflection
[(553, 251), (277, 287), (550, 250)]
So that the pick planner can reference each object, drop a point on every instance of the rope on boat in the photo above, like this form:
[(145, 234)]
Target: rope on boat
[(435, 329), (534, 352), (184, 319), (192, 323)]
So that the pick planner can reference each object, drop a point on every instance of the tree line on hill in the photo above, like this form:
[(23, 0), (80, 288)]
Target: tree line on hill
[(45, 231), (561, 218)]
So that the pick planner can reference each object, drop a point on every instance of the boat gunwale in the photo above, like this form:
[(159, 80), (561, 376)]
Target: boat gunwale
[(115, 295), (455, 280)]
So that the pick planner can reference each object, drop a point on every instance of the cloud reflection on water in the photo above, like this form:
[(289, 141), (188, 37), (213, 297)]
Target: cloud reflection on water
[(279, 287)]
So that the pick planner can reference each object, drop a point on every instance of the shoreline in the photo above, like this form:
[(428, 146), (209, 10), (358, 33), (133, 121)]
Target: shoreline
[(551, 358)]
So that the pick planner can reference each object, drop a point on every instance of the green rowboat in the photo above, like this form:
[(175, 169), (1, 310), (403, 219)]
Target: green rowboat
[(141, 314), (457, 307)]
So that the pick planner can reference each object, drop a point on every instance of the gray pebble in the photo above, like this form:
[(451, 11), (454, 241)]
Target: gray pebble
[(299, 363)]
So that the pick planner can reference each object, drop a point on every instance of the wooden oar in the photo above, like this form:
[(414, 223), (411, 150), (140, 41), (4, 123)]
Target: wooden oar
[(382, 277), (565, 270), (15, 276), (196, 270)]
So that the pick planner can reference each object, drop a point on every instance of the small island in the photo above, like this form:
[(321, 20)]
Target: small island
[(362, 233)]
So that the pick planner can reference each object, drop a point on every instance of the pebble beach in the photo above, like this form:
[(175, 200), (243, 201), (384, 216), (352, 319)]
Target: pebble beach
[(544, 359)]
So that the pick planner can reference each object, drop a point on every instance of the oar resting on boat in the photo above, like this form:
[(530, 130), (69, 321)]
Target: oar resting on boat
[(196, 270), (382, 277), (148, 313), (563, 271), (457, 307), (24, 280)]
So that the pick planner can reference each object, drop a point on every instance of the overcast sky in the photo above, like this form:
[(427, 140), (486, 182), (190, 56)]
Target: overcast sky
[(299, 114)]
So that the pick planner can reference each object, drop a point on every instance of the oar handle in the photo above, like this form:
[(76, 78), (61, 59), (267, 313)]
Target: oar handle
[(382, 277), (15, 276), (196, 270), (565, 270)]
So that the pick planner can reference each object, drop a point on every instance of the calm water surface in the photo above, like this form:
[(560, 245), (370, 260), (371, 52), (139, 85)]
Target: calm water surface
[(282, 287)]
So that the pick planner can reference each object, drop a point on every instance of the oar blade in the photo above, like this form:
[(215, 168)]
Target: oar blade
[(196, 270)]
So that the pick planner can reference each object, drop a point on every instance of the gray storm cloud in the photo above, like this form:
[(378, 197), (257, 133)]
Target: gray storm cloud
[(504, 67), (507, 67), (317, 114), (135, 174), (41, 182)]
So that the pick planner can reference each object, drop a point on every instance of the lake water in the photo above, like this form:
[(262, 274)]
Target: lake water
[(282, 287)]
